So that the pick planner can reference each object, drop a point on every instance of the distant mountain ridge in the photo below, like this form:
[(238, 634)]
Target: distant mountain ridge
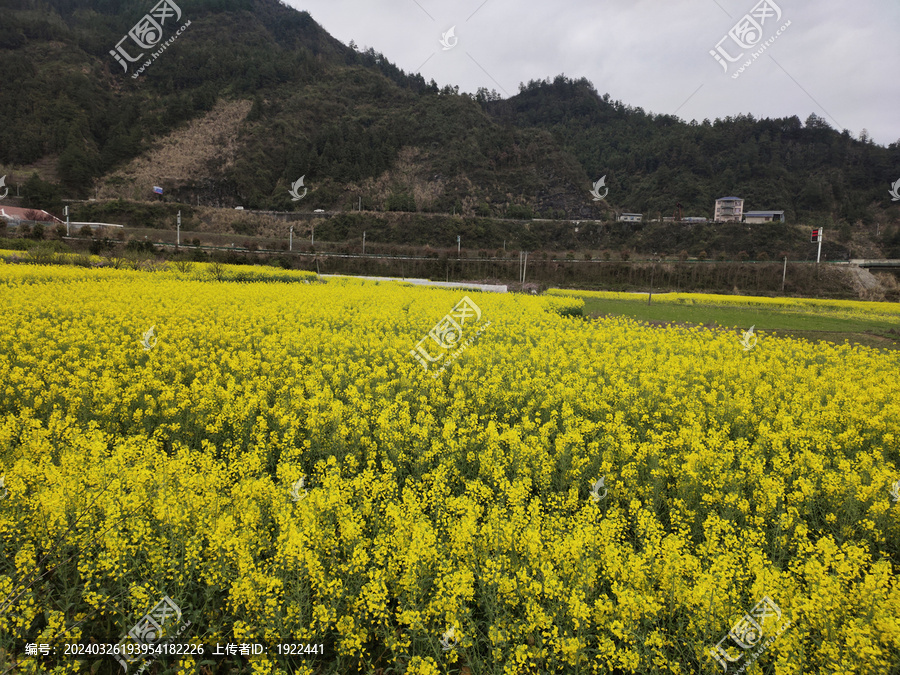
[(364, 133)]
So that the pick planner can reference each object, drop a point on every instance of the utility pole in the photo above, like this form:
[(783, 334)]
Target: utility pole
[(313, 240), (178, 231), (784, 274), (524, 267), (819, 256), (457, 246), (291, 239), (67, 215), (364, 242)]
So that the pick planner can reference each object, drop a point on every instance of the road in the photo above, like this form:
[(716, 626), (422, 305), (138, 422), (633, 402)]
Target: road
[(490, 288)]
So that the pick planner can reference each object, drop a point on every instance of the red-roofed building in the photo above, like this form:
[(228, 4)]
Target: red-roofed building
[(15, 215)]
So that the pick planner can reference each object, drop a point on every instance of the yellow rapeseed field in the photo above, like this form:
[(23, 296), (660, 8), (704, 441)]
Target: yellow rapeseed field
[(567, 496)]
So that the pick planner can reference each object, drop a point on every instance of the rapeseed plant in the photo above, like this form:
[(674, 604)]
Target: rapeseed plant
[(281, 466)]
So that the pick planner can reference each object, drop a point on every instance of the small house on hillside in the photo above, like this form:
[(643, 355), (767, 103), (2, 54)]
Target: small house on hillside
[(729, 210), (630, 217), (763, 216)]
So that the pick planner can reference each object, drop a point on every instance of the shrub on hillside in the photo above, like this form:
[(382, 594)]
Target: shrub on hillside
[(137, 246), (43, 254), (400, 201), (845, 234), (99, 246), (244, 227), (519, 211)]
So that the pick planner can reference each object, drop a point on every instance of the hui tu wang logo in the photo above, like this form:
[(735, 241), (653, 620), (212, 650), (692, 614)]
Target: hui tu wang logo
[(449, 39), (295, 188), (895, 490), (449, 641), (6, 189), (895, 191), (448, 333), (596, 191), (149, 340), (156, 627), (747, 33), (298, 486), (595, 489), (748, 340), (147, 33), (747, 635)]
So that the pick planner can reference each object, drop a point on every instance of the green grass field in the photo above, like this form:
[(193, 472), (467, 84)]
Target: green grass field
[(813, 326)]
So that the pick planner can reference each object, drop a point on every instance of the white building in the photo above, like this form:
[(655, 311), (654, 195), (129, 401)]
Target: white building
[(729, 210), (630, 217), (763, 216)]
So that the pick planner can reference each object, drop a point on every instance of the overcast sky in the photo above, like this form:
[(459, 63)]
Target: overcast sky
[(837, 59)]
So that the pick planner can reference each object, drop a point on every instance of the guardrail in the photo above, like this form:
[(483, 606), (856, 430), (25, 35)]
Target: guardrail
[(374, 256)]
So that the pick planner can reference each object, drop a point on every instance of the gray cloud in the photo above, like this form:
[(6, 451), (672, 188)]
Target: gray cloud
[(836, 60)]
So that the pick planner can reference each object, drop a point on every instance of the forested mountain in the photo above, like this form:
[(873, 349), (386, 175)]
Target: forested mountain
[(361, 131), (654, 161)]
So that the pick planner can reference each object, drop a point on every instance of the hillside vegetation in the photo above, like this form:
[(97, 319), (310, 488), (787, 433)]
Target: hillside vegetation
[(255, 94)]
